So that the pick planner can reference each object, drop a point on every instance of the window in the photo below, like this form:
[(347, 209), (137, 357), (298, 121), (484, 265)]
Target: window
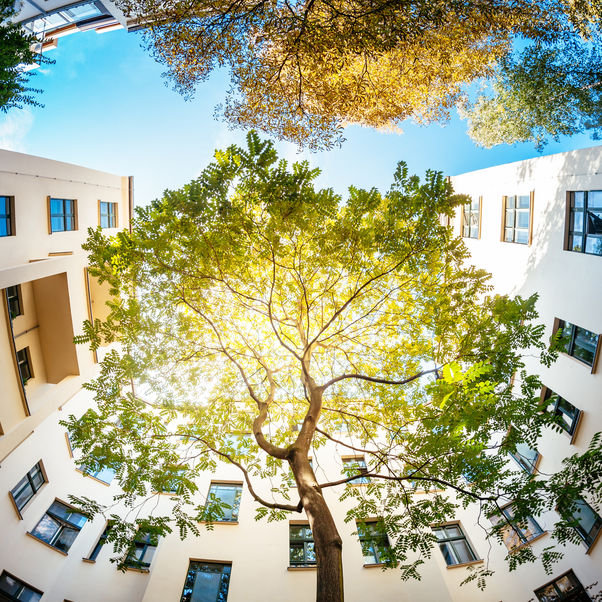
[(59, 526), (171, 480), (13, 298), (223, 501), (101, 541), (76, 13), (302, 550), (565, 588), (206, 582), (62, 215), (353, 466), (374, 542), (7, 216), (27, 487), (566, 413), (585, 222), (102, 473), (142, 551), (108, 215), (453, 545), (587, 522), (12, 588), (471, 219), (580, 343), (517, 219), (24, 364), (526, 457), (514, 533)]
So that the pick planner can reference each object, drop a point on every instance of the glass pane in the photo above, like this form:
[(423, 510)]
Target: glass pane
[(82, 12), (568, 414), (447, 552), (46, 529), (310, 552), (69, 223), (4, 231), (577, 225), (57, 224), (524, 201), (4, 205), (522, 237), (56, 206), (585, 345), (463, 552), (453, 531), (593, 245), (510, 202), (206, 587), (585, 516), (594, 199), (548, 594), (105, 475), (564, 584), (579, 199), (38, 479), (28, 595), (594, 222), (509, 235), (66, 538), (22, 493), (9, 585), (296, 553), (510, 219), (368, 552), (523, 219)]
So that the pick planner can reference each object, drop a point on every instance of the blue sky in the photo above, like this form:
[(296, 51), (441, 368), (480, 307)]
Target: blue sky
[(107, 107)]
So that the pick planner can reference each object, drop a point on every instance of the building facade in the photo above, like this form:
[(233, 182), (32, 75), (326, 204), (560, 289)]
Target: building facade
[(532, 224)]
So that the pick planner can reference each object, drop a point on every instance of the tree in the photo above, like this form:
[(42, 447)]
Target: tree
[(15, 52), (249, 302), (301, 71)]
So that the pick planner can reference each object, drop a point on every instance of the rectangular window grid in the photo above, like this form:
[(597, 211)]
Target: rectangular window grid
[(12, 588), (454, 545), (24, 365), (27, 487), (353, 466), (564, 588), (585, 222), (471, 218), (13, 298), (59, 526), (142, 551), (223, 501), (62, 215), (7, 217), (302, 550), (517, 219), (374, 542), (514, 533), (206, 582), (108, 215), (566, 413), (580, 343)]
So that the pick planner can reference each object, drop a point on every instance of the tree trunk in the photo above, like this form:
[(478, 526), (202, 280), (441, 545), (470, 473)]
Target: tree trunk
[(327, 541)]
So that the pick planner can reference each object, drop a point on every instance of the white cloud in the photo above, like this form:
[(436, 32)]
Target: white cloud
[(14, 128)]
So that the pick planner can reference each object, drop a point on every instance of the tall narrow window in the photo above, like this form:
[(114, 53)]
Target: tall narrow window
[(108, 215), (206, 582), (566, 413), (62, 215), (587, 522), (526, 457), (374, 542), (59, 526), (454, 545), (27, 487), (353, 466), (7, 216), (142, 551), (24, 363), (101, 541), (223, 502), (12, 588), (302, 549), (566, 588), (13, 298), (471, 219), (579, 343), (585, 222), (517, 219), (516, 533)]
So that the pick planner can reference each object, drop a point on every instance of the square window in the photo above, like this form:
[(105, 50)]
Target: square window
[(302, 551), (566, 587), (579, 343), (471, 219), (585, 222), (453, 544), (62, 214), (223, 502), (517, 219), (566, 413), (59, 526), (27, 487), (7, 216), (206, 582), (24, 364), (15, 589), (515, 533), (13, 298), (375, 543), (108, 214), (353, 466)]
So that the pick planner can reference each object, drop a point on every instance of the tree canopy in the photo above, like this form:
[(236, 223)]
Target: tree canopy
[(250, 301), (303, 70)]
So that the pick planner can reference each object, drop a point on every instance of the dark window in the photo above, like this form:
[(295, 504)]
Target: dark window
[(580, 343), (471, 216), (108, 215), (223, 501), (206, 582), (101, 541), (59, 526), (302, 550), (353, 466), (453, 544), (565, 588), (585, 222), (62, 215), (13, 298), (27, 487), (24, 364), (566, 413), (142, 550), (515, 533), (7, 223), (587, 522), (374, 542), (517, 219), (12, 588), (526, 457)]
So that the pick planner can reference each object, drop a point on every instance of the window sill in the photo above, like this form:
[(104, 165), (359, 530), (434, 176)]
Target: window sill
[(85, 474), (375, 565), (137, 570), (591, 546), (218, 522), (457, 566), (46, 544), (528, 543), (89, 560), (301, 568)]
